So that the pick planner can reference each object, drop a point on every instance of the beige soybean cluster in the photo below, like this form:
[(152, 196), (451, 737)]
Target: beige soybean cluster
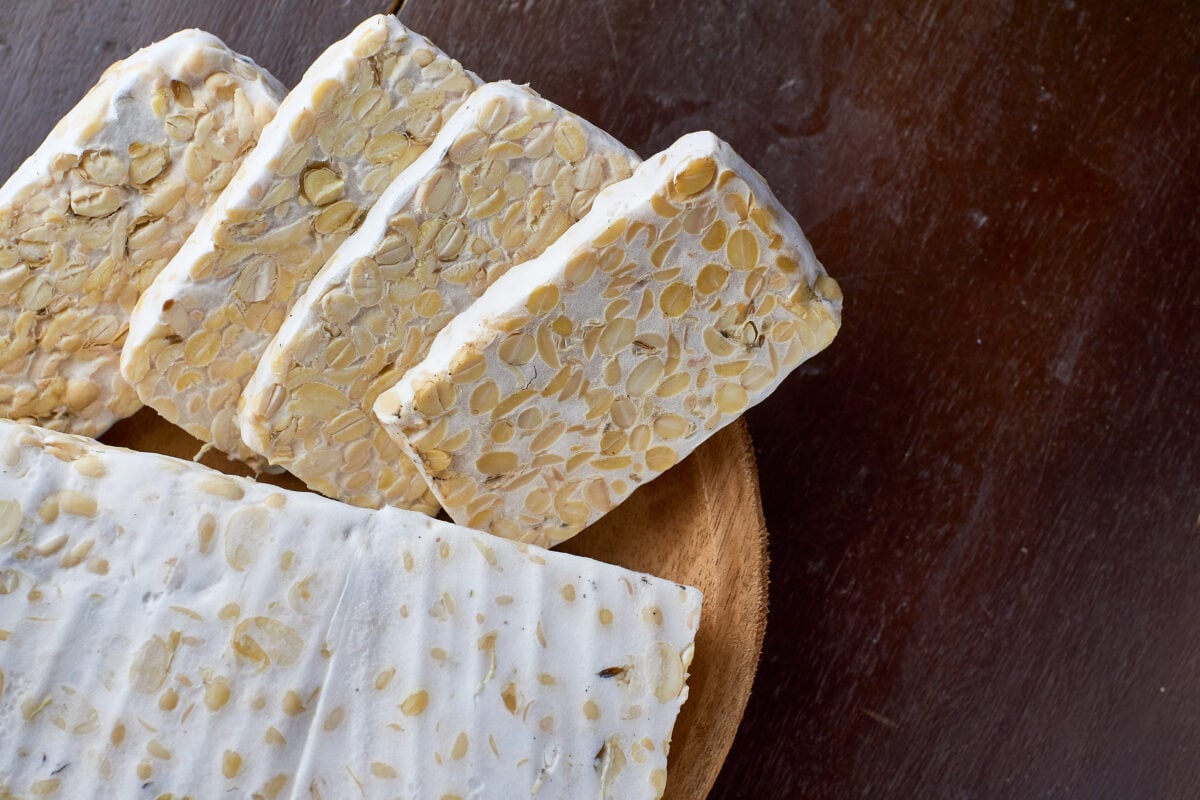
[(366, 109), (506, 177), (100, 208), (404, 650), (684, 297)]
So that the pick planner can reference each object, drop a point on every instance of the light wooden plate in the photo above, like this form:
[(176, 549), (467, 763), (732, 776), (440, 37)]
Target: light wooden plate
[(700, 524)]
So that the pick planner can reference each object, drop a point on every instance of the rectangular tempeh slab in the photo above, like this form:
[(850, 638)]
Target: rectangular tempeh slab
[(368, 106), (506, 176), (165, 629), (96, 212), (685, 296)]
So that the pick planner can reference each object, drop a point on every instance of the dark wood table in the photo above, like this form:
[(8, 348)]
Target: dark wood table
[(984, 498)]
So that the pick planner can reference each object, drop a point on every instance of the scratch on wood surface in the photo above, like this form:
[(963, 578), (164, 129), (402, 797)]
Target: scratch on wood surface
[(836, 570), (887, 722), (612, 43)]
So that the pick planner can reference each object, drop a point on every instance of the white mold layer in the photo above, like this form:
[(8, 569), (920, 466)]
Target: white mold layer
[(165, 629)]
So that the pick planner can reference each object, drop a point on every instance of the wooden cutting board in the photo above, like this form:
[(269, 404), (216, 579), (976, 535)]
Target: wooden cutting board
[(699, 524)]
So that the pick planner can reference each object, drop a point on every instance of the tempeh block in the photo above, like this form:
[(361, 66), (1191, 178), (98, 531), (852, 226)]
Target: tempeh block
[(506, 176), (365, 110), (91, 218), (167, 631), (684, 297)]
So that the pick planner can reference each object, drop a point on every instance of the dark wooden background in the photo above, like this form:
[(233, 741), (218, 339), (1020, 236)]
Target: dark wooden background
[(984, 499)]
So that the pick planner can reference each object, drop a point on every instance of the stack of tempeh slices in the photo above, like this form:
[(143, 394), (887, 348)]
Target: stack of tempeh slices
[(412, 290)]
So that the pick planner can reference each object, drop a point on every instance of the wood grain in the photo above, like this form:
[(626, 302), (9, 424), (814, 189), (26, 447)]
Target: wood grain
[(988, 586)]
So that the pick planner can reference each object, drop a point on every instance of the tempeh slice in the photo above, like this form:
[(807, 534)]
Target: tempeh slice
[(684, 297), (167, 631), (366, 109), (506, 176), (91, 218)]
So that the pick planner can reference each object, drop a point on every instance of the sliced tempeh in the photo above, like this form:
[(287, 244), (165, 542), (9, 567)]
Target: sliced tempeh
[(169, 631), (96, 212), (685, 296), (505, 177), (364, 110)]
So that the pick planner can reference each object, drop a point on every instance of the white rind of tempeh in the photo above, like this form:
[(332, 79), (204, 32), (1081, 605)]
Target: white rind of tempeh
[(99, 209), (684, 297), (169, 631), (368, 106), (506, 176)]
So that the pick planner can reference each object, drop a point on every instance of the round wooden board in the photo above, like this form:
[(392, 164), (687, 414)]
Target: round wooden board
[(700, 524)]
